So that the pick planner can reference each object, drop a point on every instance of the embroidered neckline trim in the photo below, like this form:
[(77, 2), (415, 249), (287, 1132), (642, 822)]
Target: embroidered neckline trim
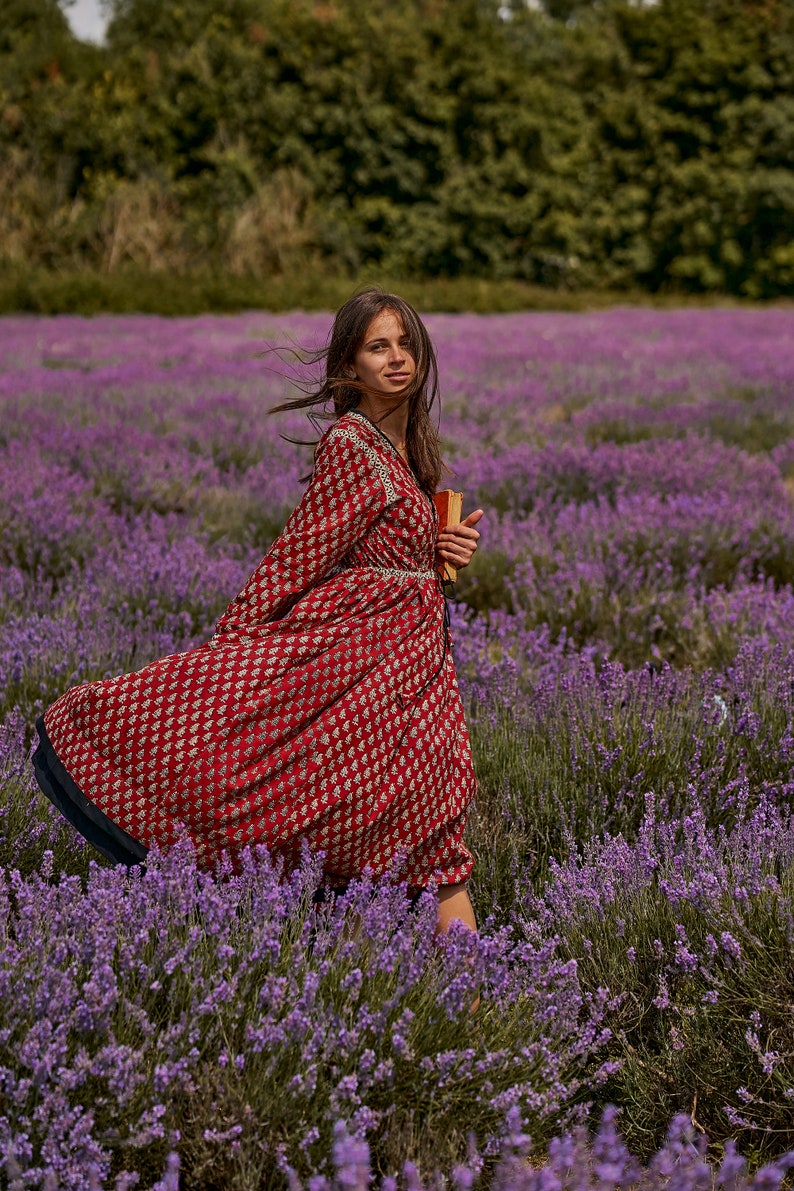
[(359, 416), (356, 413), (375, 460)]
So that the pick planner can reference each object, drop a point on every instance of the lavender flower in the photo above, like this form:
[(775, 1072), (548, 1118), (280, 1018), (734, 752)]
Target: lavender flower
[(625, 647)]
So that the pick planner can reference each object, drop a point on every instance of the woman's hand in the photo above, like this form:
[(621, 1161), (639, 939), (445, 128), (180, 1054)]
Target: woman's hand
[(456, 543)]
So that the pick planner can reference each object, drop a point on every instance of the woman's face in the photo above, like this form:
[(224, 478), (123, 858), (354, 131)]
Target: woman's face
[(384, 362)]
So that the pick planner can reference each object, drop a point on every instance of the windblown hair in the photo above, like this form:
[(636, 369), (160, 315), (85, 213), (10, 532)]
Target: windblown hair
[(338, 392)]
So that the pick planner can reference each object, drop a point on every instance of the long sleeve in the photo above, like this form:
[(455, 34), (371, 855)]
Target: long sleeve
[(348, 490)]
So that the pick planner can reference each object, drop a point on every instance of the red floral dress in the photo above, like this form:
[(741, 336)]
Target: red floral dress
[(325, 708)]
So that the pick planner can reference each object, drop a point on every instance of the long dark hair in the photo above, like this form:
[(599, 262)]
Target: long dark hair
[(336, 388)]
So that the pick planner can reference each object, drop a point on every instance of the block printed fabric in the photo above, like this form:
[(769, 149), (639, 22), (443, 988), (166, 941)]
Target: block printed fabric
[(324, 709)]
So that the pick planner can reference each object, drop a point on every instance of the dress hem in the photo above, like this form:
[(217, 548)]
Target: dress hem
[(63, 792)]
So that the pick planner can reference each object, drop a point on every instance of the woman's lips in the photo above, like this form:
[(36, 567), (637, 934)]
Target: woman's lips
[(397, 376)]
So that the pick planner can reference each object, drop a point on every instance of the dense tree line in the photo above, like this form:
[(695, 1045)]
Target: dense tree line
[(611, 143)]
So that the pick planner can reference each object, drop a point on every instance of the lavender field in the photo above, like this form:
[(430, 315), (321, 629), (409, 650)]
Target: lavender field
[(625, 648)]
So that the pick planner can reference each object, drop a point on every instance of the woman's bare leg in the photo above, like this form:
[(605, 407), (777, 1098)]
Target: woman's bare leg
[(454, 905)]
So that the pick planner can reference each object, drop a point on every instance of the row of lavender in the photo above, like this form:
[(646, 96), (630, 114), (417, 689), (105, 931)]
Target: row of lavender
[(227, 1023), (632, 831)]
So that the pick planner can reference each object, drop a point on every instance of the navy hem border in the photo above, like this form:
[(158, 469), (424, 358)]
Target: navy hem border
[(63, 792)]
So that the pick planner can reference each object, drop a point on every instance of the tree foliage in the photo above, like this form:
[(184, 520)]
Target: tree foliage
[(611, 143)]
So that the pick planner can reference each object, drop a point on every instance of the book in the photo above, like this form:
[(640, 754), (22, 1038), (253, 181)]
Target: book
[(449, 506)]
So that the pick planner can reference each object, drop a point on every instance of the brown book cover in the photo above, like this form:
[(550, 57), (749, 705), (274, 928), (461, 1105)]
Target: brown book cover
[(449, 506)]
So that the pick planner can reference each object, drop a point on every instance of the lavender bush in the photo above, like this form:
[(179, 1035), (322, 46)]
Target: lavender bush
[(574, 1162), (225, 1014), (574, 750), (692, 932), (625, 647)]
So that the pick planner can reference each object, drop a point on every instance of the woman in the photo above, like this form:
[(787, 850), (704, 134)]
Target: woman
[(325, 708)]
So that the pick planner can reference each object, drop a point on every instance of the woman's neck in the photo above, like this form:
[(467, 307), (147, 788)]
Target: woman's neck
[(393, 421)]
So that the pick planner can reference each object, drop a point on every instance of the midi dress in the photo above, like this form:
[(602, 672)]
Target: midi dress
[(324, 711)]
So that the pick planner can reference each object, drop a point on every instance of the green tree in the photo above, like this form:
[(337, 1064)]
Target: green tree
[(585, 143), (693, 110)]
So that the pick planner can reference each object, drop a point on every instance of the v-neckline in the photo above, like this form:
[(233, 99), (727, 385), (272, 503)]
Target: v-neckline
[(356, 413)]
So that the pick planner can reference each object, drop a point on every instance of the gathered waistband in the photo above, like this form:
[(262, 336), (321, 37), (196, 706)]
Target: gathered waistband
[(396, 572)]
